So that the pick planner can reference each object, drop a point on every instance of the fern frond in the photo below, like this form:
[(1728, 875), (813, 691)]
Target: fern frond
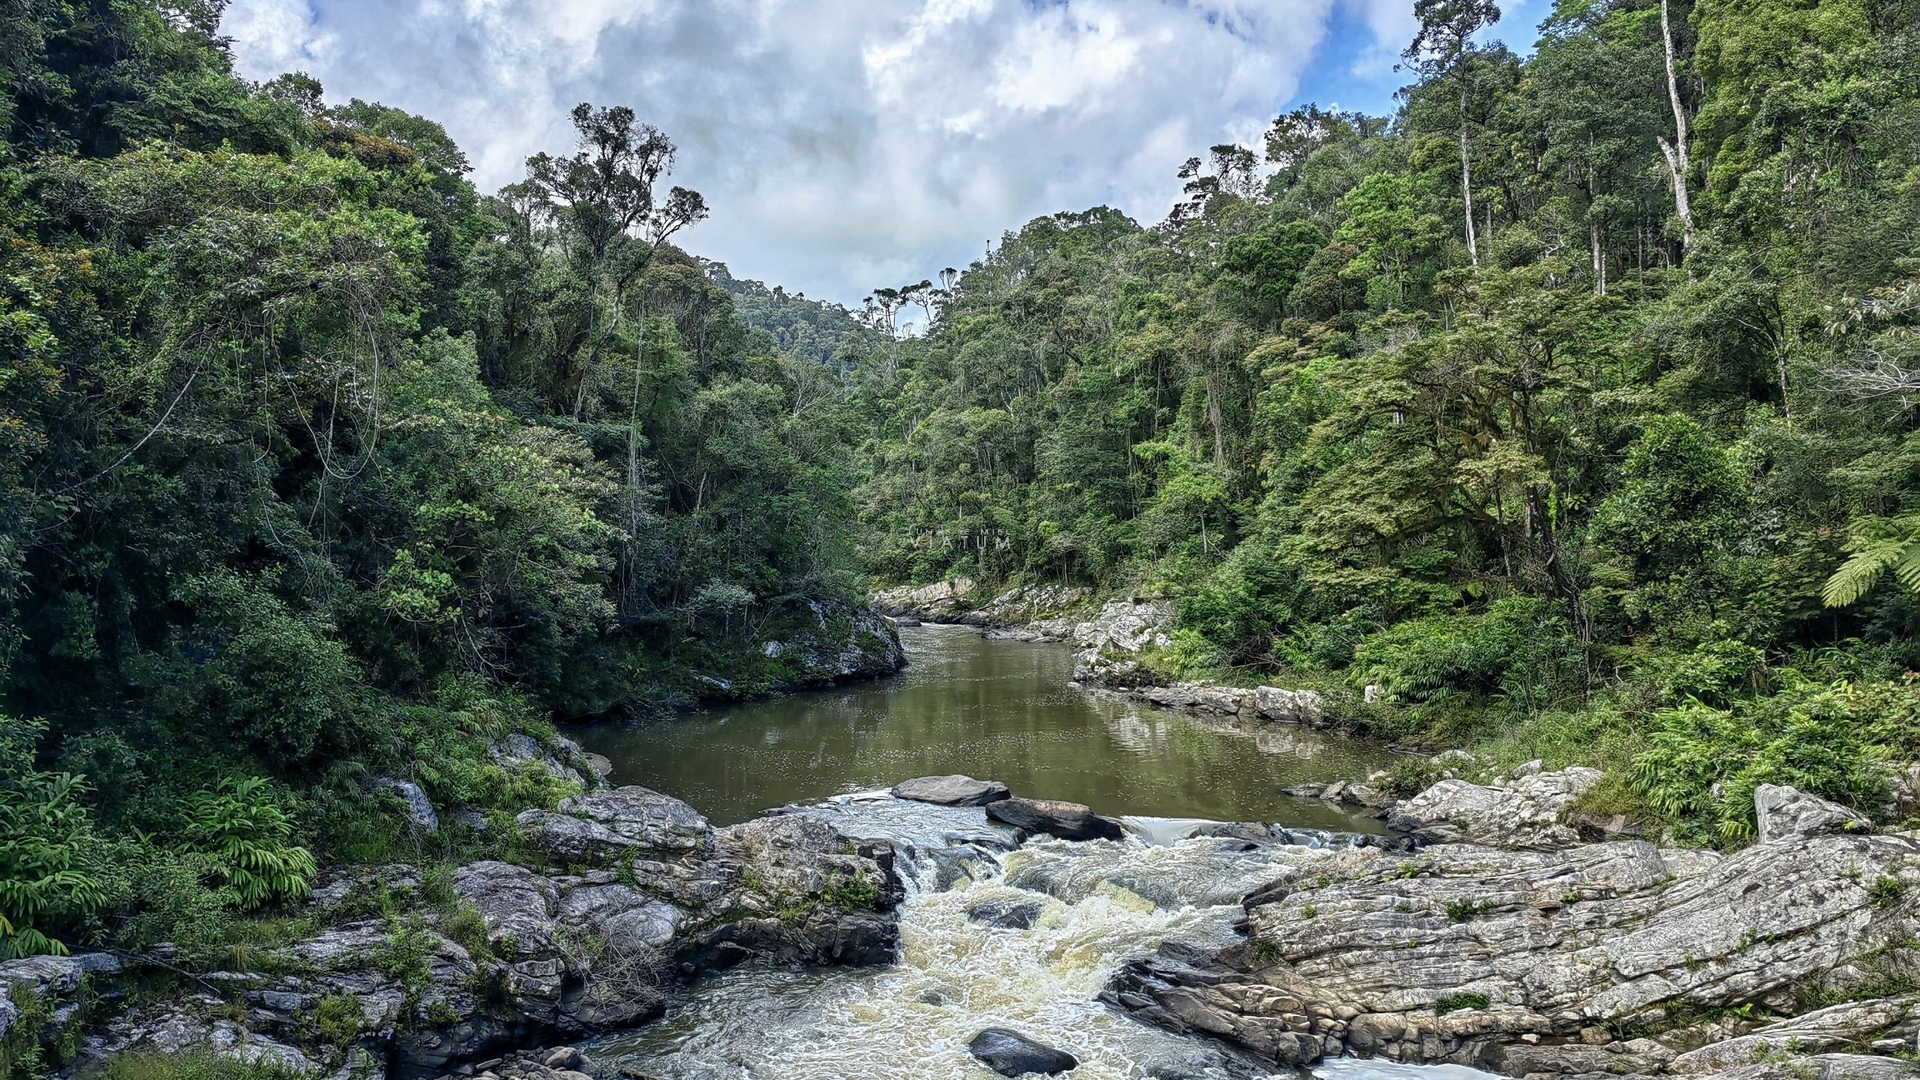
[(1855, 576)]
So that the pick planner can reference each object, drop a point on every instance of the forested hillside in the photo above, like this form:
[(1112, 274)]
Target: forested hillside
[(1570, 409), (320, 467), (1570, 406)]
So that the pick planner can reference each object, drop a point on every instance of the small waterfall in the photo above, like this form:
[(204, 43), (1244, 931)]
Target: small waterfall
[(1100, 904)]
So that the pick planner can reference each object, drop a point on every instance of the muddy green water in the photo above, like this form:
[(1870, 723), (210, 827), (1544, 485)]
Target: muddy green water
[(998, 710)]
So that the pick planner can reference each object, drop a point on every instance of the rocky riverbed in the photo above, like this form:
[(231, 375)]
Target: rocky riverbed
[(1487, 934)]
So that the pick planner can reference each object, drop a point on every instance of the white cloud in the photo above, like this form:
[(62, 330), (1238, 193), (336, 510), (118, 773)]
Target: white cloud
[(843, 144)]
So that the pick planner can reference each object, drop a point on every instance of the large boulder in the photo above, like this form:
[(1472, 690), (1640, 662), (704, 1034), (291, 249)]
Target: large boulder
[(1010, 1053), (623, 821), (1288, 706), (1526, 815), (828, 642), (951, 790), (1066, 820), (1106, 646), (1201, 697), (419, 808), (1785, 813), (938, 602), (1502, 959)]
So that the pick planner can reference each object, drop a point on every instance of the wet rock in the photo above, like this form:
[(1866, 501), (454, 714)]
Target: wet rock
[(1525, 815), (1010, 1053), (1288, 706), (627, 820), (951, 790), (1105, 647), (1785, 813), (1066, 820), (419, 807), (1007, 914), (1201, 697)]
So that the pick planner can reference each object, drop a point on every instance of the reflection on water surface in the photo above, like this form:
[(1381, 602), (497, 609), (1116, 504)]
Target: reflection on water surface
[(997, 710)]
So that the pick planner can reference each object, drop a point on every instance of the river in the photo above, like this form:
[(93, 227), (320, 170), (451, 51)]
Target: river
[(1000, 710)]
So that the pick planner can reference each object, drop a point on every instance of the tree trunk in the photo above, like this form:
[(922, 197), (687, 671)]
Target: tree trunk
[(1466, 176), (1676, 151)]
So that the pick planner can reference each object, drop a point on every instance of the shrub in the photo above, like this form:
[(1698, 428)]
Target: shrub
[(1511, 650), (1702, 764), (247, 838), (49, 874), (1457, 1002)]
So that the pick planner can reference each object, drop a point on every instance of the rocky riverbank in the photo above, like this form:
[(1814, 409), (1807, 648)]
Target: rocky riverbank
[(1490, 933), (627, 894), (1526, 955)]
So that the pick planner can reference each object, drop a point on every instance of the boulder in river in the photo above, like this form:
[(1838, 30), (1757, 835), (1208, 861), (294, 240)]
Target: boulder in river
[(1010, 1053), (951, 790), (1788, 813), (1007, 914), (1066, 820)]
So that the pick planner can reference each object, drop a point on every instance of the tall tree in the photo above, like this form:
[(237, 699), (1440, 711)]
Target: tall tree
[(1440, 50)]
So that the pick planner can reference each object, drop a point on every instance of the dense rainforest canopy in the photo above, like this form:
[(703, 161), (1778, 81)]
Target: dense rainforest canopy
[(1571, 408)]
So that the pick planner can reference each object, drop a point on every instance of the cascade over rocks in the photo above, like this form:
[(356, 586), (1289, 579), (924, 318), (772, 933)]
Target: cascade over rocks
[(1066, 820)]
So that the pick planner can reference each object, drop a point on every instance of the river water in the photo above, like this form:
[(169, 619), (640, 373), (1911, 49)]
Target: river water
[(998, 710)]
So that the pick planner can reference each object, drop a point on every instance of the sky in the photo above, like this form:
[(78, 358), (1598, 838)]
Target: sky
[(845, 145)]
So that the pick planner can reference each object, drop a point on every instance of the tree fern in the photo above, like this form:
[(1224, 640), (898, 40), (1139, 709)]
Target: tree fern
[(1878, 545)]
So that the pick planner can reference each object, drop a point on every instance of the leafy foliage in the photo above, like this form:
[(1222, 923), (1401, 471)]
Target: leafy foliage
[(248, 839)]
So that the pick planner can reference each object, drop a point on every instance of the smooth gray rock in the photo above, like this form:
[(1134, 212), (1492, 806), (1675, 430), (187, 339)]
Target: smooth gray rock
[(1066, 820), (937, 602), (419, 808), (1200, 697), (951, 790), (1010, 1053), (604, 824), (1525, 815), (1785, 813), (1460, 953), (1288, 706)]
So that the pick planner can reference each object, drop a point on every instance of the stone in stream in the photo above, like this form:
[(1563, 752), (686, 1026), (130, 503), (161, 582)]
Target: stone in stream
[(951, 790), (1007, 914), (1066, 820), (1010, 1053)]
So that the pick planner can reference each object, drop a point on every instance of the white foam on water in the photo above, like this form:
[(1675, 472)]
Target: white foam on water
[(1104, 903)]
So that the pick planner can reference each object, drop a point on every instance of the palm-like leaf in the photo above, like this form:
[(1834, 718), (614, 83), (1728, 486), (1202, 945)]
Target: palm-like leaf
[(1878, 545)]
